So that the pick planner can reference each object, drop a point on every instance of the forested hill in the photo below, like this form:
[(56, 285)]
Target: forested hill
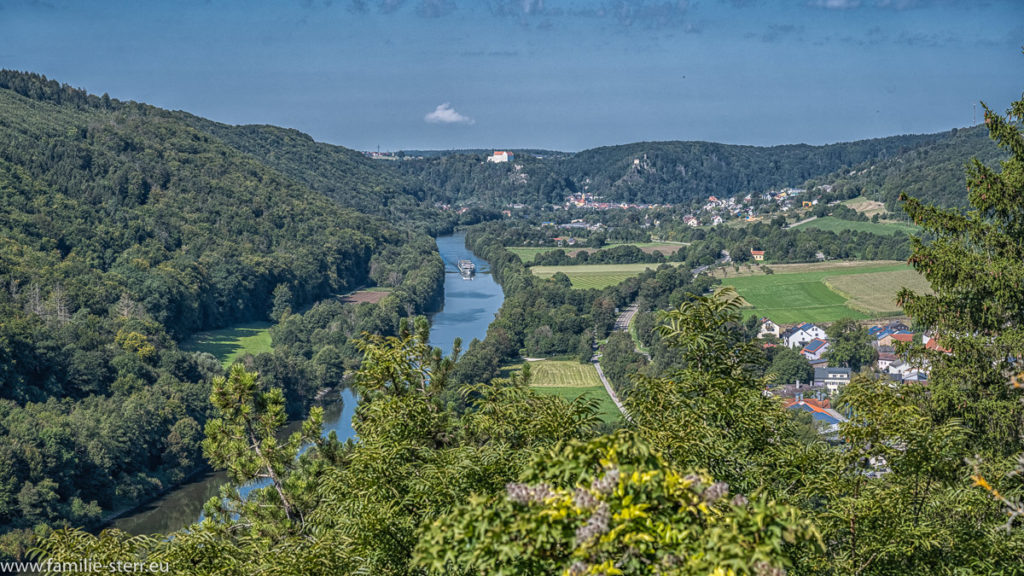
[(684, 172), (344, 175), (124, 230), (103, 198), (933, 172)]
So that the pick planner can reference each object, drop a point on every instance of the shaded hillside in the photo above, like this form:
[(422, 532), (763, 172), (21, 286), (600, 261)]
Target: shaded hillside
[(123, 230), (344, 175), (933, 172), (105, 199)]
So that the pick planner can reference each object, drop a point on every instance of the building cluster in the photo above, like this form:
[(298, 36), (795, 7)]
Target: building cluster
[(813, 343), (587, 200)]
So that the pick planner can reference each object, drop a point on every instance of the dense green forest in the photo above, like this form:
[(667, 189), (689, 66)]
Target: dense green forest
[(933, 172), (686, 172), (124, 230)]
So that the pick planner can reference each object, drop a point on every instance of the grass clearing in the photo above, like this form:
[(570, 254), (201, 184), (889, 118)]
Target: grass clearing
[(607, 411), (866, 206), (885, 227), (585, 276), (229, 344), (826, 291), (371, 295)]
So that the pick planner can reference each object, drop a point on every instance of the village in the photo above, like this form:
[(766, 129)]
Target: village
[(816, 395)]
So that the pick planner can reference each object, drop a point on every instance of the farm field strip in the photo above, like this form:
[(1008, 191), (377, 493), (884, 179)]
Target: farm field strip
[(568, 379), (563, 374), (526, 253)]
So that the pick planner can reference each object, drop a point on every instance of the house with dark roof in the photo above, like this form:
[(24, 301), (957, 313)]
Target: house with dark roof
[(801, 335), (832, 378), (814, 349)]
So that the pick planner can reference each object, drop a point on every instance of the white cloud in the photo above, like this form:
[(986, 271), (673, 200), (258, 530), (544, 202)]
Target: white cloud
[(836, 4), (445, 114)]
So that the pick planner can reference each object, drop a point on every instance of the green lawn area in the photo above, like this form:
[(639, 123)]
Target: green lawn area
[(884, 227), (825, 292), (594, 275), (568, 379), (229, 344)]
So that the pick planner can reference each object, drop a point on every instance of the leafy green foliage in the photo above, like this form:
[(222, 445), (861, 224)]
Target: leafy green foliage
[(849, 345), (612, 506)]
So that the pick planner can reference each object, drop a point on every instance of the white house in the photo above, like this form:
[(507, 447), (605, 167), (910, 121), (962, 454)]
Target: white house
[(832, 378), (801, 335), (768, 328), (814, 349), (500, 156)]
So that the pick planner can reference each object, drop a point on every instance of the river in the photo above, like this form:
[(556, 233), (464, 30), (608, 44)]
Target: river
[(469, 307)]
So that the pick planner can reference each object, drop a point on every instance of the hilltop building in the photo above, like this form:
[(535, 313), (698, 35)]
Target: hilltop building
[(500, 156)]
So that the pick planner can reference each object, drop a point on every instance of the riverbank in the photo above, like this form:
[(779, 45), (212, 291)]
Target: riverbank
[(467, 310)]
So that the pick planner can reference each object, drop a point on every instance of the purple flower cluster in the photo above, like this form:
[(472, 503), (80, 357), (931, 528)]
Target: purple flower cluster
[(526, 494)]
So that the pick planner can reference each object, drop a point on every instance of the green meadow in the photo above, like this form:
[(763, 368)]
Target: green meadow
[(884, 227), (229, 344), (598, 276), (825, 292)]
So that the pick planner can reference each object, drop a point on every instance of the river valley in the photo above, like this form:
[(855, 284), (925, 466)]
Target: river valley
[(469, 307)]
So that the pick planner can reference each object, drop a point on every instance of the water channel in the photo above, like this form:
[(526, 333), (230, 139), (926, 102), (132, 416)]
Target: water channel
[(469, 307)]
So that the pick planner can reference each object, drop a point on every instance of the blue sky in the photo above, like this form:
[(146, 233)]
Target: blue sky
[(555, 74)]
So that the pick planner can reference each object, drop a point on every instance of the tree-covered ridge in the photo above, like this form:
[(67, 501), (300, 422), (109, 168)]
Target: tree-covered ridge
[(123, 230), (687, 172), (343, 175), (111, 202), (933, 172)]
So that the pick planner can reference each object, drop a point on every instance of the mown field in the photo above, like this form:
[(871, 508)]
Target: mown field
[(229, 344), (884, 227), (526, 253), (826, 291), (569, 379), (598, 276)]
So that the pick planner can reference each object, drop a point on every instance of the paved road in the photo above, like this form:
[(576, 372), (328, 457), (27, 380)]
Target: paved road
[(621, 325), (608, 388), (622, 322)]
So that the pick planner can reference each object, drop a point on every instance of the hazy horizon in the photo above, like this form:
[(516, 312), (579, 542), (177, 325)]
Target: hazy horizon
[(555, 75)]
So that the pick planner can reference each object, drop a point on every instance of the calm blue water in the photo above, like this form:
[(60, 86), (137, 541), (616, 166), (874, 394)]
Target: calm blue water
[(469, 307)]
